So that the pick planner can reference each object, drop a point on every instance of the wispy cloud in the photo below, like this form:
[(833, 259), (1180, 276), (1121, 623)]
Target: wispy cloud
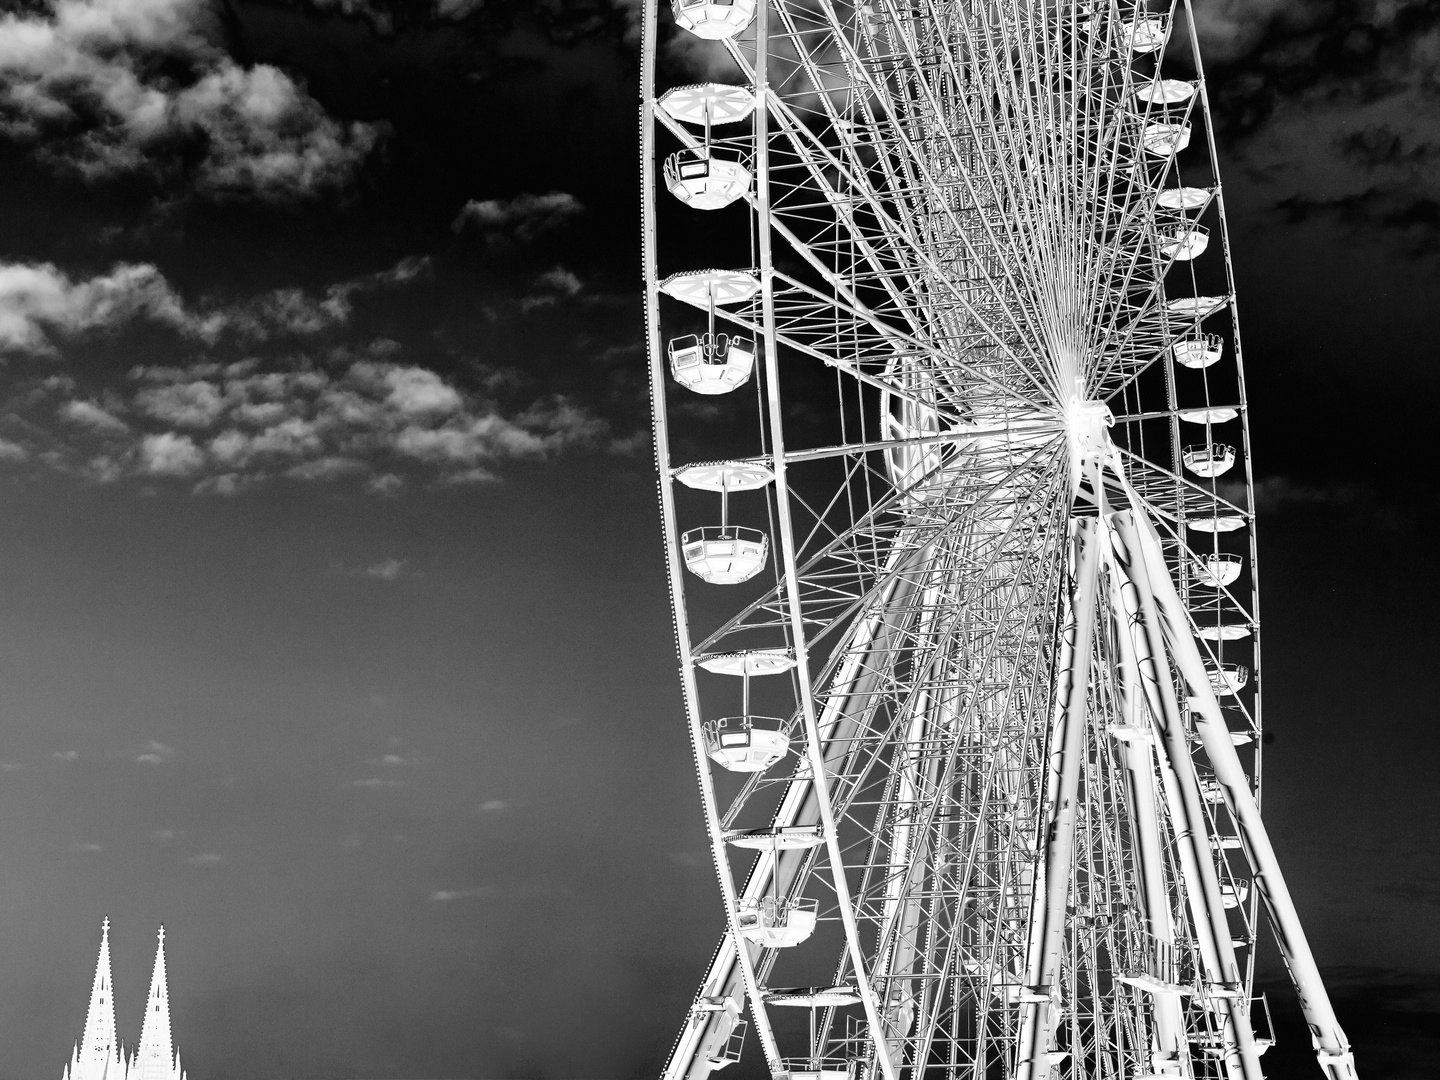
[(66, 755), (376, 783), (551, 287), (445, 896), (110, 87), (519, 219), (155, 753), (205, 861), (85, 848)]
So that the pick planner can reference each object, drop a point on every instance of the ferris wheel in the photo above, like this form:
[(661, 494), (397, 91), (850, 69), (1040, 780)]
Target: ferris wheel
[(966, 607)]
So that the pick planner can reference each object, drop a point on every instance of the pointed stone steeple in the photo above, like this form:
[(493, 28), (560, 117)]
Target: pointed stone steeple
[(98, 1055), (156, 1058)]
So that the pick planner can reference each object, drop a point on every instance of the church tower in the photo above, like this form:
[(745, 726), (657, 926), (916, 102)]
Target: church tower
[(156, 1058), (98, 1056)]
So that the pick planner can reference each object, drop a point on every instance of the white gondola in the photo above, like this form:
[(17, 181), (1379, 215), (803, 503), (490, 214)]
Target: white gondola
[(1219, 570), (1195, 307), (1209, 459), (1233, 894), (738, 745), (1226, 843), (1221, 631), (1198, 351), (712, 364), (713, 20), (1145, 35), (1165, 140), (1165, 92), (725, 555), (707, 178), (1216, 415), (1212, 792), (1182, 242), (1228, 679), (1182, 198), (1216, 523), (821, 1068), (776, 923)]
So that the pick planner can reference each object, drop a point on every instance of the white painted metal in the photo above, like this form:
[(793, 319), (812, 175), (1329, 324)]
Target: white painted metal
[(1003, 240)]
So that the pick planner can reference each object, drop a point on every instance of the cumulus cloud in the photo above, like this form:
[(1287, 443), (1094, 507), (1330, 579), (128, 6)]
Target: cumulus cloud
[(110, 87), (168, 454), (38, 301), (238, 425), (521, 218)]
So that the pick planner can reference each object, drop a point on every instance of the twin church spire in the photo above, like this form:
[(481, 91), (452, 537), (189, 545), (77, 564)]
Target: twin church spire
[(99, 1055)]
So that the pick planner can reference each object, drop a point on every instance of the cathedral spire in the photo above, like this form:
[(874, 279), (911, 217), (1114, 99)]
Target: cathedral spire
[(156, 1058), (98, 1056)]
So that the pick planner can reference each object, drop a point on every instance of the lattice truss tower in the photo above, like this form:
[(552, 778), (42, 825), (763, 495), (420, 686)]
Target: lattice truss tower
[(966, 614)]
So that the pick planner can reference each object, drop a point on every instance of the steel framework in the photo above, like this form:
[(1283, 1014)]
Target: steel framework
[(983, 584)]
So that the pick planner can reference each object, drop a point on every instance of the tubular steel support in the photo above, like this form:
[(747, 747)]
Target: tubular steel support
[(1067, 742), (1331, 1046), (1170, 1052), (1212, 930)]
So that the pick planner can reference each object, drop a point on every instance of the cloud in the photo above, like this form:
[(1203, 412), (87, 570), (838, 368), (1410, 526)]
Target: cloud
[(164, 836), (86, 848), (66, 755), (550, 288), (491, 806), (375, 783), (445, 896), (155, 753), (206, 861), (1276, 493), (89, 415), (521, 218), (364, 418), (1331, 104), (386, 569), (392, 760), (111, 87), (38, 301), (168, 454)]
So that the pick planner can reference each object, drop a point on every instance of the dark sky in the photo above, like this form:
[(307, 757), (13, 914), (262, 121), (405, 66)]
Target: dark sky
[(333, 629)]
